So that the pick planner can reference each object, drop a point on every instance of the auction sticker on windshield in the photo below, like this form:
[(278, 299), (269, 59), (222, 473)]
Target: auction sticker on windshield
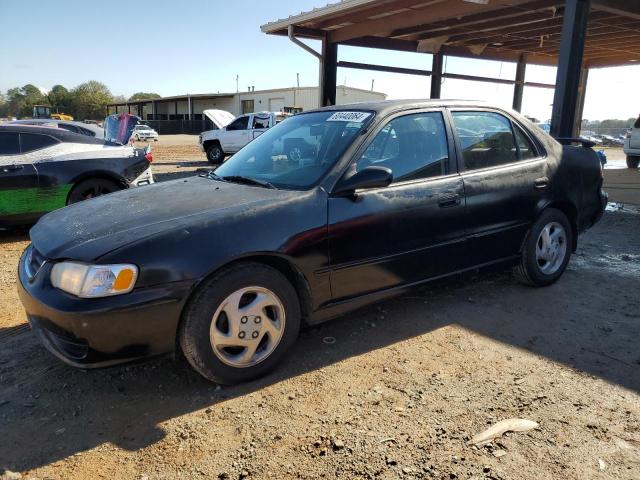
[(356, 117)]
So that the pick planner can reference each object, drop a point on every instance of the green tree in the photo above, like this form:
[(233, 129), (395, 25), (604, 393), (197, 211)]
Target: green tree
[(4, 105), (59, 99), (143, 96), (90, 100), (22, 99)]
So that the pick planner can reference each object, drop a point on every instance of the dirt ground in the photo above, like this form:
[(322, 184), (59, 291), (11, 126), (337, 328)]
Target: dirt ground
[(395, 390)]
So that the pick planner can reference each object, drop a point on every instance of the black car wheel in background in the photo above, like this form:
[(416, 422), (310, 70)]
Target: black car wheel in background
[(92, 188)]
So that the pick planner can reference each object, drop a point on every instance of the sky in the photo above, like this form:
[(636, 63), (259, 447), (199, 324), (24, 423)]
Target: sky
[(201, 46)]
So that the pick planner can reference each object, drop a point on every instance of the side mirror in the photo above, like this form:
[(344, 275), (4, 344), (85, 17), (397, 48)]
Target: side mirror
[(369, 177)]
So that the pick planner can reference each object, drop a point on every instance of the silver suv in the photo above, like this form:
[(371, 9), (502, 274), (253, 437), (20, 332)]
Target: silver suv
[(632, 145)]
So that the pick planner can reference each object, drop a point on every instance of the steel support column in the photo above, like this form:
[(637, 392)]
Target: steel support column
[(436, 76), (190, 105), (518, 89), (565, 100), (582, 92), (328, 73), (154, 110)]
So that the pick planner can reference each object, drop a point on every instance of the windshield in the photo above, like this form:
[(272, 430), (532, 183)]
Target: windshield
[(143, 127), (298, 152)]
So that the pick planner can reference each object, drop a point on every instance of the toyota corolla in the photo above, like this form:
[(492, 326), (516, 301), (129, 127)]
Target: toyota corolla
[(226, 267)]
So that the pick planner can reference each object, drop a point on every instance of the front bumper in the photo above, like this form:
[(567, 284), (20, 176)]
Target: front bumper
[(99, 332)]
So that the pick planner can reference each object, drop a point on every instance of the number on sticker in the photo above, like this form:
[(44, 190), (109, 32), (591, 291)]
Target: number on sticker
[(356, 117)]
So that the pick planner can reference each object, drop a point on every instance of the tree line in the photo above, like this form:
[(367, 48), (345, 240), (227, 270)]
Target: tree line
[(87, 101)]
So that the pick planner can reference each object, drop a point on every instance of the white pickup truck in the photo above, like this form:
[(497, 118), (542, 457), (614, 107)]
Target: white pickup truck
[(233, 134)]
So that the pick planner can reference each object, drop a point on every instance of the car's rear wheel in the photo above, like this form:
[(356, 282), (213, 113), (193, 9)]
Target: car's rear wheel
[(240, 323), (632, 161), (91, 188), (215, 154), (547, 250)]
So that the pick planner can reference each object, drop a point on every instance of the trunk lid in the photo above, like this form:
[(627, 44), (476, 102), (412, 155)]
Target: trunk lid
[(118, 128)]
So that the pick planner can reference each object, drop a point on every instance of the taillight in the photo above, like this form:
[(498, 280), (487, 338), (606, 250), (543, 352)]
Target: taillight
[(149, 157)]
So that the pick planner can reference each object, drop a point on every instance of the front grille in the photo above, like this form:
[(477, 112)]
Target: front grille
[(33, 262)]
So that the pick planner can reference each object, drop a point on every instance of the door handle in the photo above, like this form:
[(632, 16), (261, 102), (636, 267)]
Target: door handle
[(12, 168), (448, 200), (542, 182)]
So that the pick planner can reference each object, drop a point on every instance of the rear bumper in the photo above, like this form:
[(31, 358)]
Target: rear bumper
[(100, 332), (145, 178), (604, 199)]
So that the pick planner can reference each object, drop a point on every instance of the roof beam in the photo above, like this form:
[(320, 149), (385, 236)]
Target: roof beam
[(626, 8), (553, 25), (379, 8), (497, 24), (430, 13), (476, 19)]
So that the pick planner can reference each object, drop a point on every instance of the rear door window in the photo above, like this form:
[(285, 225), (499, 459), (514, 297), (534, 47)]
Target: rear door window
[(486, 139), (526, 149), (30, 142), (9, 143)]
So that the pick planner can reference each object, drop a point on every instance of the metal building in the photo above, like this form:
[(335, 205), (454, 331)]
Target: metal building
[(183, 113)]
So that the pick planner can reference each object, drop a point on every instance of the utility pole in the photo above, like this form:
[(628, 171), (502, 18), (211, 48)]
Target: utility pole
[(372, 82), (237, 84)]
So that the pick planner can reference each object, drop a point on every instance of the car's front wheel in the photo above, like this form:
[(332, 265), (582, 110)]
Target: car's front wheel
[(215, 154), (240, 323), (546, 251), (632, 161)]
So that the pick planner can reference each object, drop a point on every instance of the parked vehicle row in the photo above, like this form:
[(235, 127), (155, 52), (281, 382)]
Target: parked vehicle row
[(43, 168), (375, 198)]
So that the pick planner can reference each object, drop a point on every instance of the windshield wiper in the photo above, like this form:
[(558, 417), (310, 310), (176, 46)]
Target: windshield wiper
[(247, 181)]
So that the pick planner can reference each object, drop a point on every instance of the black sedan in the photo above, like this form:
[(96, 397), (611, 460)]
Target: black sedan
[(44, 168), (228, 266)]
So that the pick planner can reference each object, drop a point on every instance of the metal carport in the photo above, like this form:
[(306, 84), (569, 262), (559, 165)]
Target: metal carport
[(575, 35)]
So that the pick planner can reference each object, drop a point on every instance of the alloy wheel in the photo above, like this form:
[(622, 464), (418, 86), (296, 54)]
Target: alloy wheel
[(247, 327), (551, 248)]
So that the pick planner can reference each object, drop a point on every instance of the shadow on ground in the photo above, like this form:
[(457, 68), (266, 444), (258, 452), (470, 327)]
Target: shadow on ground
[(588, 321)]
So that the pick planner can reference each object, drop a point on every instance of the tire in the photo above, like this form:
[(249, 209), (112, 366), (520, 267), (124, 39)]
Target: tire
[(206, 328), (633, 162), (541, 266), (215, 154), (91, 188)]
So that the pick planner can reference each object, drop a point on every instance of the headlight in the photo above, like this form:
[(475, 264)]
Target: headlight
[(91, 281)]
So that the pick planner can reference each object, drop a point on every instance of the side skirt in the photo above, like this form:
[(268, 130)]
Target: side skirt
[(336, 308)]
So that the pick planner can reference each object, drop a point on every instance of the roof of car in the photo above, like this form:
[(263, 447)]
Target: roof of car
[(61, 134), (33, 121), (387, 106)]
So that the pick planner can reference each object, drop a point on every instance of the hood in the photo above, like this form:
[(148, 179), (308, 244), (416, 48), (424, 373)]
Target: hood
[(118, 128), (88, 230), (220, 118)]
